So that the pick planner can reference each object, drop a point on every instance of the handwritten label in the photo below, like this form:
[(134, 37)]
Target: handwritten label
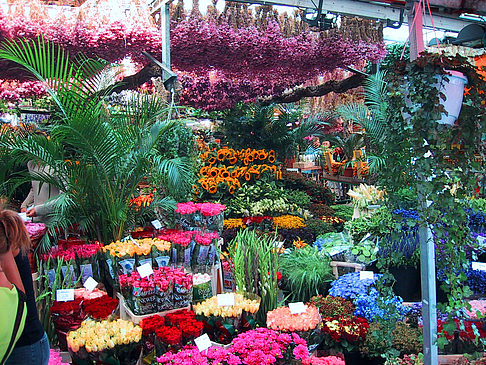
[(363, 275), (203, 342), (225, 299), (481, 266), (145, 270), (90, 284), (64, 295), (156, 223), (297, 308)]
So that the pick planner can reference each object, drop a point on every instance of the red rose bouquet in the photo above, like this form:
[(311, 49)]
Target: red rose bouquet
[(101, 307), (66, 316)]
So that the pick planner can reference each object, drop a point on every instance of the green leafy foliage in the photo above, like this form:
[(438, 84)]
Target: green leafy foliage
[(343, 211), (257, 126), (307, 271), (94, 157), (255, 262)]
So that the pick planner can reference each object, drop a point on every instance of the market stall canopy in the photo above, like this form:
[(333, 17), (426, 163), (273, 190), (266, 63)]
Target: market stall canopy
[(449, 15)]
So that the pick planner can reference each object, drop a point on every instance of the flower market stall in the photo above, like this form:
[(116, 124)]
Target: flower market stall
[(221, 232)]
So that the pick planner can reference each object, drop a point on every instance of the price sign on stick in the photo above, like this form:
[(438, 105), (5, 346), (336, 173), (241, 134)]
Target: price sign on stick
[(226, 299), (203, 342), (145, 270), (90, 284), (64, 295), (481, 266), (297, 308), (363, 275), (156, 223)]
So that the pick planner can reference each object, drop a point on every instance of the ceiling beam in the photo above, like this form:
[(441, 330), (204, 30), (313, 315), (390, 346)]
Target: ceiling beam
[(447, 22)]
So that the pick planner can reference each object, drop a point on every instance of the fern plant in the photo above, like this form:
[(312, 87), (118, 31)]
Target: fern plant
[(373, 116), (94, 156)]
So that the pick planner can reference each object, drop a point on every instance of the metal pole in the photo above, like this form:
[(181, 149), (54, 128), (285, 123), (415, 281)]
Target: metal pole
[(427, 249), (165, 29)]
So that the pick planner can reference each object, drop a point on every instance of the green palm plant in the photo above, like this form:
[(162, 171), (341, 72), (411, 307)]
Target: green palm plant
[(373, 116), (95, 157)]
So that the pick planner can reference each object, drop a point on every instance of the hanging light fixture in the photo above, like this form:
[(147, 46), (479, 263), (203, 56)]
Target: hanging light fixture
[(472, 35)]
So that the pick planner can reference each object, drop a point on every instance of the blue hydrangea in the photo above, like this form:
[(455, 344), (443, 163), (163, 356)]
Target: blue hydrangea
[(350, 286), (369, 307)]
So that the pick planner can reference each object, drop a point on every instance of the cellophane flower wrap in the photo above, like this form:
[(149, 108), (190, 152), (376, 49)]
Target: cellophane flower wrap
[(202, 289), (66, 316), (306, 324), (223, 322), (87, 260), (115, 342), (182, 244), (200, 216), (203, 254), (167, 288)]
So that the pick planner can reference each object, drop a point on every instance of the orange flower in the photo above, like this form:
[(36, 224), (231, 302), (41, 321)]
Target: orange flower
[(233, 160), (212, 189), (247, 176), (204, 170), (213, 172), (204, 185), (195, 189), (221, 155), (212, 160), (225, 174), (271, 159), (231, 189)]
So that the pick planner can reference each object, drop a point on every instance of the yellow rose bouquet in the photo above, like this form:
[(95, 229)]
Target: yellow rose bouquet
[(115, 342)]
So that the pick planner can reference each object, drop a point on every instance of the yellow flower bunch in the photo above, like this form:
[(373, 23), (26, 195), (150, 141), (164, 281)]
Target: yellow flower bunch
[(128, 248), (233, 156), (97, 336), (210, 307), (233, 223), (288, 222)]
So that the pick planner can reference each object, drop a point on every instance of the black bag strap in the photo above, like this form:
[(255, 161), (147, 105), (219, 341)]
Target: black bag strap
[(18, 319)]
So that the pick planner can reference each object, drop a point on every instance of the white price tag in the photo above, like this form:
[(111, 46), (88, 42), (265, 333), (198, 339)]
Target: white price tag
[(297, 308), (203, 342), (226, 299), (279, 244), (145, 270), (156, 223), (90, 284), (481, 266), (363, 275), (64, 295)]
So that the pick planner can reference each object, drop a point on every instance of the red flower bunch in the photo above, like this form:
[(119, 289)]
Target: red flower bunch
[(151, 324), (100, 308), (205, 239), (350, 329), (73, 251), (186, 321), (66, 308), (256, 220), (181, 238), (466, 334), (169, 335), (162, 278), (67, 316)]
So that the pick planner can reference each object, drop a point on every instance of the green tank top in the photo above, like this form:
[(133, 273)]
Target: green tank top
[(9, 305)]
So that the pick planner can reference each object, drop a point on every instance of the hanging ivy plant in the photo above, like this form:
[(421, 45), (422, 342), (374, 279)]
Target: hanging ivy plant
[(420, 152)]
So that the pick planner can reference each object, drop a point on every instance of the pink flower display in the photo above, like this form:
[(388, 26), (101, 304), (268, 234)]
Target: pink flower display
[(162, 278), (205, 239), (328, 360), (55, 358), (72, 252), (180, 238)]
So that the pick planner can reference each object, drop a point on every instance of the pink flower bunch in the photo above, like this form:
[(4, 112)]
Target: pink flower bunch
[(162, 278), (210, 209), (190, 355), (205, 239), (265, 346), (181, 238), (55, 358), (328, 360), (35, 229), (255, 347), (72, 252), (282, 319), (206, 209), (476, 305), (186, 208)]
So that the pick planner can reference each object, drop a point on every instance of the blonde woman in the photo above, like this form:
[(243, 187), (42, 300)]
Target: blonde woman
[(29, 344)]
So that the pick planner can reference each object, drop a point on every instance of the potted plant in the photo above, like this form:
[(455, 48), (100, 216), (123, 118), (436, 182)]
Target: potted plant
[(347, 145)]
